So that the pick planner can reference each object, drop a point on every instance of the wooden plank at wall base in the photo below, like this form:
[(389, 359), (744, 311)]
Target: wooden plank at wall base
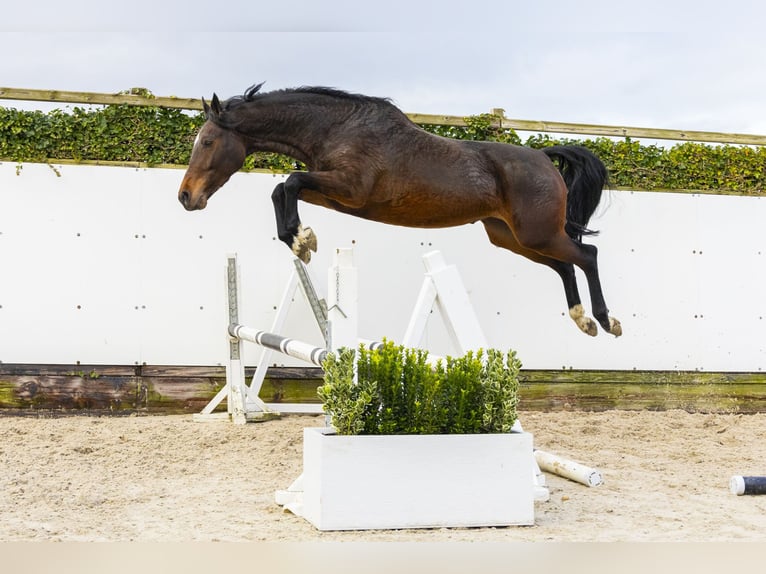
[(601, 397), (67, 392), (124, 389), (693, 391), (106, 393)]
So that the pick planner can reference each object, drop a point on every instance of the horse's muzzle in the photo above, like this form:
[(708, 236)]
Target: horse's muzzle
[(185, 197)]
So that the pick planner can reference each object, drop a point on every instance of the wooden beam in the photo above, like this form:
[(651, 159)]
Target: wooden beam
[(538, 126), (117, 389), (98, 99), (440, 120), (632, 132)]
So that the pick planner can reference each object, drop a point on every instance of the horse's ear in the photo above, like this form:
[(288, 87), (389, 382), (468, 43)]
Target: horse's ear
[(205, 108), (215, 105)]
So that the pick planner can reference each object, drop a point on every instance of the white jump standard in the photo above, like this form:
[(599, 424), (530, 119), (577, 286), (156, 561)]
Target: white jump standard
[(337, 325)]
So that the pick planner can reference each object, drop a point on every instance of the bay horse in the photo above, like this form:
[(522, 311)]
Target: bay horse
[(364, 157)]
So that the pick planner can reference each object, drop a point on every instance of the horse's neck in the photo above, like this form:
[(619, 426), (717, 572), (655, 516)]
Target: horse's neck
[(297, 128)]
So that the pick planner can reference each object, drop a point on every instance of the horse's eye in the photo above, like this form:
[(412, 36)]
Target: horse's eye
[(207, 143)]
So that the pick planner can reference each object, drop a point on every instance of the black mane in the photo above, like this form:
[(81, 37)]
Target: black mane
[(335, 93), (253, 93)]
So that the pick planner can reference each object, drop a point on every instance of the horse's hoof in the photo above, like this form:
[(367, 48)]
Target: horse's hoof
[(301, 251), (304, 242), (307, 236), (614, 327), (585, 324), (304, 255)]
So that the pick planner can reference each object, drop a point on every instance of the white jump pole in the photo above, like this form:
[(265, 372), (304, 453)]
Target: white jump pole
[(568, 468)]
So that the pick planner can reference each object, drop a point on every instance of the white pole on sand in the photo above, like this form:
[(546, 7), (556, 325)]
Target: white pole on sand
[(568, 468)]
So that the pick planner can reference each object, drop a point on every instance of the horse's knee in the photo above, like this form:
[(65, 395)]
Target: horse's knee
[(590, 250), (589, 253), (564, 248), (292, 184), (278, 193)]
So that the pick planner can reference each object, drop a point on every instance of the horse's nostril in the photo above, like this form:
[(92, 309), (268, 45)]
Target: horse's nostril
[(183, 197)]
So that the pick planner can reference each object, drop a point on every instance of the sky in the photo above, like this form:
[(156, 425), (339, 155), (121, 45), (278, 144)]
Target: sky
[(689, 65)]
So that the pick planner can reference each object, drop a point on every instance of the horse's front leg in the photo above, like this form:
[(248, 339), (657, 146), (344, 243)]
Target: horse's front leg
[(342, 190), (301, 240)]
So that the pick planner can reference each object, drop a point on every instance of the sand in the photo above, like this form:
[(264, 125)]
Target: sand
[(168, 478)]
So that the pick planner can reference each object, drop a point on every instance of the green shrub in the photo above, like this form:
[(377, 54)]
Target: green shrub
[(397, 392)]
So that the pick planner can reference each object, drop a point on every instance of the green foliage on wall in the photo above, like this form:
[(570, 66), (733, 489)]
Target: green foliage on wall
[(684, 166), (112, 133), (121, 133), (478, 128), (156, 135)]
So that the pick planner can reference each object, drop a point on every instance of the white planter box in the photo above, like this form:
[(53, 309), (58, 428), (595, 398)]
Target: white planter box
[(417, 481)]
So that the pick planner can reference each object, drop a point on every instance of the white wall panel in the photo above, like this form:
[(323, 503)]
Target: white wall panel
[(102, 265)]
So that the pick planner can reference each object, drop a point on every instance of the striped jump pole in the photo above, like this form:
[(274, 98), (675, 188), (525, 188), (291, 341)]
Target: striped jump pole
[(740, 485), (285, 345)]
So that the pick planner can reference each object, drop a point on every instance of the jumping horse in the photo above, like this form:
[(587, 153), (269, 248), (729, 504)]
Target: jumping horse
[(364, 157)]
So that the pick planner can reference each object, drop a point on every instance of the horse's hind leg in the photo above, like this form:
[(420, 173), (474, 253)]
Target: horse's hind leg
[(501, 235), (564, 248), (301, 240)]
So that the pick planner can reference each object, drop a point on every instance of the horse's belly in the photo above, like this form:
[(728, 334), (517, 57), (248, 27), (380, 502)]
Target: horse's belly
[(421, 214), (413, 204)]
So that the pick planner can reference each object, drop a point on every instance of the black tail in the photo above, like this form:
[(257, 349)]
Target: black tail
[(586, 177)]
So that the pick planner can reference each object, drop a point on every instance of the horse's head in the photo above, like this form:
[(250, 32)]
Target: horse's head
[(217, 154)]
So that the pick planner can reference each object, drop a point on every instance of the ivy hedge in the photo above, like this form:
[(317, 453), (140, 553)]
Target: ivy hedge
[(156, 135)]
